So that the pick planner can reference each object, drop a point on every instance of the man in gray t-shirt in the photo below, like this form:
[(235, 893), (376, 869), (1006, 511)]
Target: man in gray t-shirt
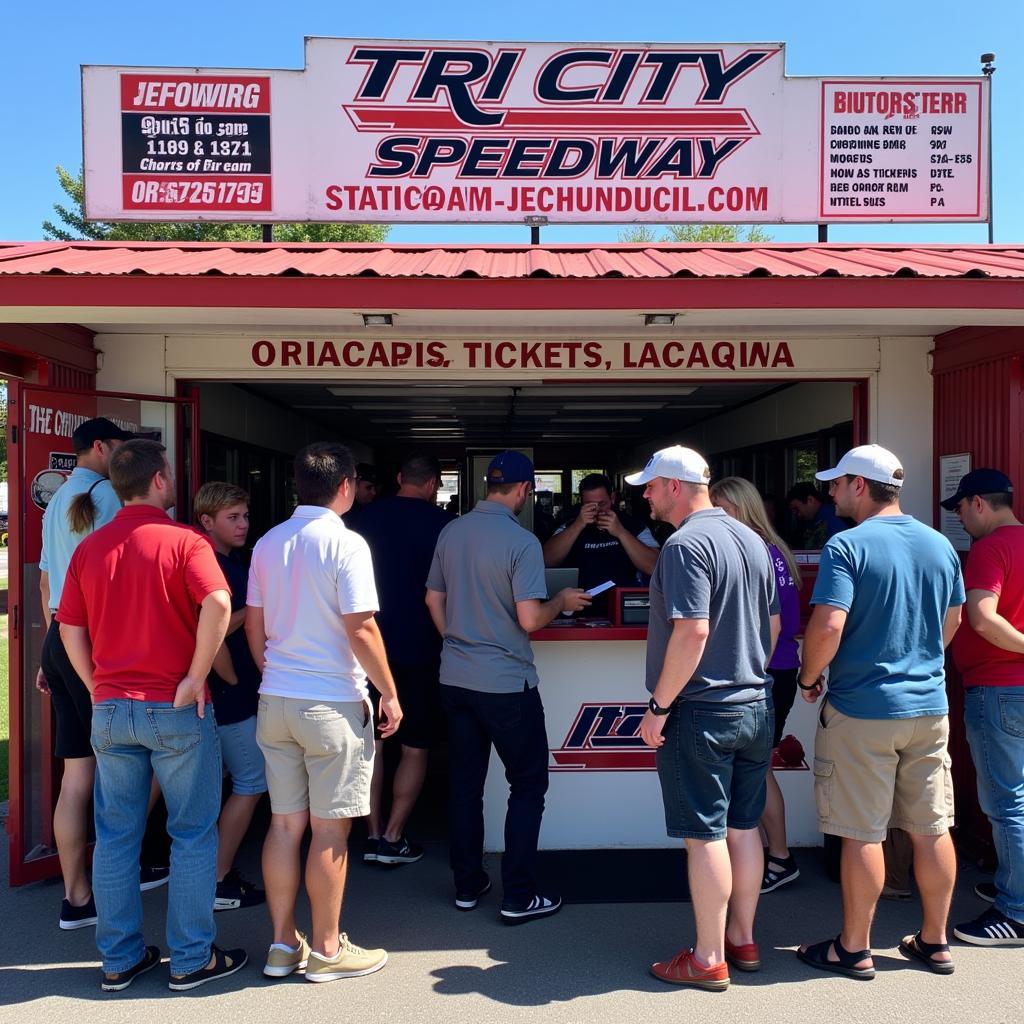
[(713, 624), (486, 595)]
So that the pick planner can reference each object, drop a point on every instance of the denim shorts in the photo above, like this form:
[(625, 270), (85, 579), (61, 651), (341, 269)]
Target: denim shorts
[(242, 757), (712, 767)]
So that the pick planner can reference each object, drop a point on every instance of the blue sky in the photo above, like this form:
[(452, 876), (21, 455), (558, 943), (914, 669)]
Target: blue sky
[(40, 112)]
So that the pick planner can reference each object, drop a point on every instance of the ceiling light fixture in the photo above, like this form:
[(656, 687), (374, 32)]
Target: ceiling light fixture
[(659, 319), (378, 320)]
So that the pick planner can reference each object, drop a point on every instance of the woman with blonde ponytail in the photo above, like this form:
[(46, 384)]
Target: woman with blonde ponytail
[(740, 499)]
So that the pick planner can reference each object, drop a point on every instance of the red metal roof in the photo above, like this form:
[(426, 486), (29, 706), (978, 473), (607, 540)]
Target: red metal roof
[(510, 262)]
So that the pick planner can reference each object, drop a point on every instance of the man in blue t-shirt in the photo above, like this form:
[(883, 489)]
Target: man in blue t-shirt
[(886, 604), (402, 532)]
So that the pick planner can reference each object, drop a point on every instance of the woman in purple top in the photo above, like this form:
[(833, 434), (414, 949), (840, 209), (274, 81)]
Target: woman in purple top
[(740, 499)]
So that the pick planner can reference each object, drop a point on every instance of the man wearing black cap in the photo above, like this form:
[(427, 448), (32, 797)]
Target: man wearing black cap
[(81, 505), (989, 652), (486, 594)]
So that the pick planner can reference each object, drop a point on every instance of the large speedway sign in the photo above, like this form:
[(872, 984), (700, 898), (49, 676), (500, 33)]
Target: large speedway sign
[(399, 131)]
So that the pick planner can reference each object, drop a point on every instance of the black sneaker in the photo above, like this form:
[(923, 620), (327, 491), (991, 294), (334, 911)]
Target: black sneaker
[(778, 872), (993, 928), (399, 852), (236, 893), (469, 900), (119, 982), (153, 878), (986, 891), (225, 963), (539, 906), (370, 848), (77, 917)]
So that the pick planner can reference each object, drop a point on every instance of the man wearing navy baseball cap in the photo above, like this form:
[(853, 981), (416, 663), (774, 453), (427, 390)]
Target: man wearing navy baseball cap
[(989, 652), (486, 594), (886, 604)]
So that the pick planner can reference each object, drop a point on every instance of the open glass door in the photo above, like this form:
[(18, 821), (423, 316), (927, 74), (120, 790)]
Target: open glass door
[(41, 421)]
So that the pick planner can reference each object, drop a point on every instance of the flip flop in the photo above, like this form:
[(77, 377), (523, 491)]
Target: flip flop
[(817, 956), (915, 948)]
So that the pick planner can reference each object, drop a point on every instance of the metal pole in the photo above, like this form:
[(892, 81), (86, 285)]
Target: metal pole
[(988, 69), (268, 232), (822, 232), (534, 234)]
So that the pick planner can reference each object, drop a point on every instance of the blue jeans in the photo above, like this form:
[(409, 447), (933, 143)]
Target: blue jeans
[(133, 740), (713, 767), (994, 716), (514, 724)]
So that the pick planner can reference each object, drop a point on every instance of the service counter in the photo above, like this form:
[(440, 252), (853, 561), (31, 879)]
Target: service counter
[(604, 790)]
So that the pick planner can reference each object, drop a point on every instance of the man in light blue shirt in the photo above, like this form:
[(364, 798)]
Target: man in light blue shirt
[(78, 507), (886, 604)]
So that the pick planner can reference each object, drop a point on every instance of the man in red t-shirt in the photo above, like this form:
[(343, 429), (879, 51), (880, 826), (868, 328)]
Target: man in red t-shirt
[(989, 652), (144, 609)]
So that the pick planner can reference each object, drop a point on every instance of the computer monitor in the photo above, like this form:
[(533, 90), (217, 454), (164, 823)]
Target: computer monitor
[(559, 579)]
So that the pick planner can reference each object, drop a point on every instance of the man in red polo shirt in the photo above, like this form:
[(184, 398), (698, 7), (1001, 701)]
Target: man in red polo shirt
[(144, 609)]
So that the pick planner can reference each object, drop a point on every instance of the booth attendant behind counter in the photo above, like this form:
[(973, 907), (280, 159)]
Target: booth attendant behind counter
[(602, 543)]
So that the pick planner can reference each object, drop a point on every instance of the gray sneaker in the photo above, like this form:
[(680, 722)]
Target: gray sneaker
[(352, 961)]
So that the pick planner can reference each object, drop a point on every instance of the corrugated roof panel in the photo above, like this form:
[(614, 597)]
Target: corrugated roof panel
[(510, 261)]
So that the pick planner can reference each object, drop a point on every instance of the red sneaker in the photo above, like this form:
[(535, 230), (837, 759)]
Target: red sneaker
[(743, 958), (683, 969)]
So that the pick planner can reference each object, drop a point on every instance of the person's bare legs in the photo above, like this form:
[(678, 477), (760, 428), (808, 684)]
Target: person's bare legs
[(747, 863), (408, 784), (71, 826), (863, 875), (326, 868), (281, 872), (773, 821), (235, 819), (374, 822), (935, 873), (710, 877)]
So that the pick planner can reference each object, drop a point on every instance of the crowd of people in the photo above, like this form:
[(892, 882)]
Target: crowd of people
[(358, 621)]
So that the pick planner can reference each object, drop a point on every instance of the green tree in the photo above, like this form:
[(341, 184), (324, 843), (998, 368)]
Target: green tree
[(70, 225), (695, 233)]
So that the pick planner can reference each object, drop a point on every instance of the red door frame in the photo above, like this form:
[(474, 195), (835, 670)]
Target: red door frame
[(22, 871)]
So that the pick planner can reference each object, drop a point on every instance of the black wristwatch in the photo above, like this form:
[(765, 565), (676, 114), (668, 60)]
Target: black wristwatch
[(656, 709)]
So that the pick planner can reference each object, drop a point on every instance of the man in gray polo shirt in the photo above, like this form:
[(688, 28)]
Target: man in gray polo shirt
[(486, 594), (713, 624)]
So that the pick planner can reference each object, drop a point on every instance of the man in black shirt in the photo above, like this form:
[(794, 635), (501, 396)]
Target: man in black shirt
[(222, 511), (602, 543), (402, 532)]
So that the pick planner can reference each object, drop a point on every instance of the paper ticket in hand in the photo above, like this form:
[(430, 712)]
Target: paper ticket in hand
[(600, 588)]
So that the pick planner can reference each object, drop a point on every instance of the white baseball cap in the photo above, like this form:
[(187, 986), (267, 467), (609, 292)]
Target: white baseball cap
[(871, 461), (675, 463)]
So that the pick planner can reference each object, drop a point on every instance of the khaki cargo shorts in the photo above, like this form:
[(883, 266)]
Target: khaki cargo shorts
[(872, 774), (319, 755)]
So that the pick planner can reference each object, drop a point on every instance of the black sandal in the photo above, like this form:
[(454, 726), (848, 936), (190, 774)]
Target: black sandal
[(817, 956), (915, 948)]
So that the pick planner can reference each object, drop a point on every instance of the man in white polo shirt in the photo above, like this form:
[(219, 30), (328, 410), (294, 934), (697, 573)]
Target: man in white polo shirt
[(311, 630)]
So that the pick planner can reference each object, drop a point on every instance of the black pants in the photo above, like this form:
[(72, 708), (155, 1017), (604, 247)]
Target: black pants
[(514, 724)]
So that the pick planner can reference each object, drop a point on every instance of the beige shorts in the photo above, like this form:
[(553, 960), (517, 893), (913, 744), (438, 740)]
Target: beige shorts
[(871, 774), (319, 755)]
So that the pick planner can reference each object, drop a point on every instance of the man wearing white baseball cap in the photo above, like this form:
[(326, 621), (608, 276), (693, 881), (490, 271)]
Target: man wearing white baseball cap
[(886, 604), (714, 621)]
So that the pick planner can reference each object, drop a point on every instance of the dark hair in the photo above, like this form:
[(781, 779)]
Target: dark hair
[(803, 491), (420, 469), (998, 499), (133, 466), (880, 493), (596, 481), (320, 469), (82, 511)]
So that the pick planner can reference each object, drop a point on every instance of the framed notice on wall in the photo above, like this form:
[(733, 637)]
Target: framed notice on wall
[(951, 469)]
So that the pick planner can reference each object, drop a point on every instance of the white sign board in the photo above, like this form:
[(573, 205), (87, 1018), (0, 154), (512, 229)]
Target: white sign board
[(405, 131), (951, 469)]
